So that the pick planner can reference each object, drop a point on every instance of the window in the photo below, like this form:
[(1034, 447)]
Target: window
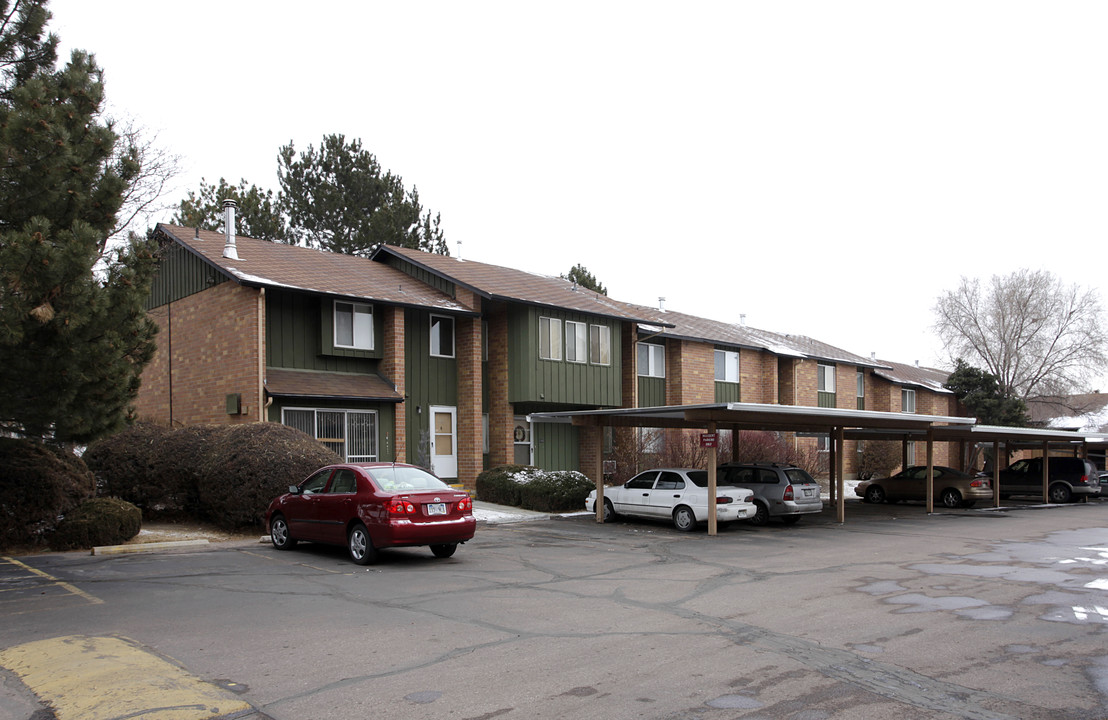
[(442, 336), (907, 400), (600, 345), (550, 338), (576, 340), (727, 366), (353, 325), (861, 384), (652, 360), (825, 378), (352, 434)]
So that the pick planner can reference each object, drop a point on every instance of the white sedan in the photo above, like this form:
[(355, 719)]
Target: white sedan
[(677, 493)]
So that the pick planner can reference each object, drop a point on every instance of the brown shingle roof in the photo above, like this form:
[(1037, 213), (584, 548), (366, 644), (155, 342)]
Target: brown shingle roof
[(290, 266), (502, 283), (310, 384), (924, 377)]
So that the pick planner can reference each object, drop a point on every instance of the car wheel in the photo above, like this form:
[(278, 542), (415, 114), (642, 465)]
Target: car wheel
[(360, 546), (279, 533), (609, 511), (951, 498), (683, 518), (760, 516), (790, 519), (875, 494), (444, 551), (1059, 493)]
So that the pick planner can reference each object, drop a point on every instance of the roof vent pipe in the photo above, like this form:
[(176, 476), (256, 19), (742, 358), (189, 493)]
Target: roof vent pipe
[(230, 251), (459, 249), (742, 319), (662, 304)]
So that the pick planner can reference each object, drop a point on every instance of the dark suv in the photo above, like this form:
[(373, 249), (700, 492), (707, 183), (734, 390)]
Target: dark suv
[(780, 490), (1070, 477)]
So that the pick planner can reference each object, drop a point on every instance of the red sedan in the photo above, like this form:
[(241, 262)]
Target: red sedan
[(369, 506)]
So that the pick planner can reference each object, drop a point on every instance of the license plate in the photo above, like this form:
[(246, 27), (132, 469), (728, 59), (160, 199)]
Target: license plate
[(807, 492), (436, 509)]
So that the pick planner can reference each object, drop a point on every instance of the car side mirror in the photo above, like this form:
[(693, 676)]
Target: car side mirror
[(294, 490)]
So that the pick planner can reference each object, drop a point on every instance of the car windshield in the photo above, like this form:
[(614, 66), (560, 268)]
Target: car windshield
[(400, 477)]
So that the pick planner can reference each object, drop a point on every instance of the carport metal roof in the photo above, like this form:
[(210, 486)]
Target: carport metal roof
[(840, 423)]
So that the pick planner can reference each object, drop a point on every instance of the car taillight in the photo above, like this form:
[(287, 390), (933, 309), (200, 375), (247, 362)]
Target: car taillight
[(465, 505), (1084, 480), (788, 493), (401, 507), (723, 500), (980, 482)]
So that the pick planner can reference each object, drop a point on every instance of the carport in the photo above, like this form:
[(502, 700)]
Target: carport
[(838, 423)]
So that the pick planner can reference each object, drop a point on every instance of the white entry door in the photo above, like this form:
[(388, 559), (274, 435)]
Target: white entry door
[(444, 441)]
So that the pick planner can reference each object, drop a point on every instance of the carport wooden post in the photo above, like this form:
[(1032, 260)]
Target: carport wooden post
[(712, 521), (930, 469), (996, 473), (840, 466), (832, 466), (1046, 472), (596, 433)]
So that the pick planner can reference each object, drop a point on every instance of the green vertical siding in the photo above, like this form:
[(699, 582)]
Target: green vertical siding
[(424, 276), (727, 392), (180, 274), (825, 399), (652, 391), (296, 324), (555, 446), (531, 379), (430, 380)]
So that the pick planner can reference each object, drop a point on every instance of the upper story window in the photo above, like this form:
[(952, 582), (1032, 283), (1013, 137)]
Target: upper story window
[(576, 341), (652, 360), (825, 378), (442, 336), (861, 384), (600, 345), (353, 325), (727, 366), (907, 400), (550, 338)]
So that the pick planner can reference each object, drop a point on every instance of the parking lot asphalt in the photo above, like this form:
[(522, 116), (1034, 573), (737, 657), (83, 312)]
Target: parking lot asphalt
[(897, 613)]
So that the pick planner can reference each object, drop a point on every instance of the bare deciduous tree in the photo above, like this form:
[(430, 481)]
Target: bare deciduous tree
[(1038, 336)]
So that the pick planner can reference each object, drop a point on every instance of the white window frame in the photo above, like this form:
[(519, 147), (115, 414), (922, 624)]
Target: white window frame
[(730, 366), (861, 389), (825, 378), (348, 446), (600, 345), (550, 338), (438, 322), (907, 399), (655, 365), (577, 341), (361, 332)]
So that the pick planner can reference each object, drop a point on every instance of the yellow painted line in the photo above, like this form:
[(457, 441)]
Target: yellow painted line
[(144, 547), (108, 678), (64, 585)]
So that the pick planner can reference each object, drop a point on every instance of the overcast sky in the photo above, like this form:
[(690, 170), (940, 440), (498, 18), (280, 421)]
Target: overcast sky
[(823, 168)]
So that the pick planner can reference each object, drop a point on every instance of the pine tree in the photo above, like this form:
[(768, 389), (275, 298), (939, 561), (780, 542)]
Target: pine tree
[(73, 342)]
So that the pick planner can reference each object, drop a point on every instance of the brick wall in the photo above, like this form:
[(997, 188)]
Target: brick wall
[(211, 344), (392, 368), (629, 377), (690, 373), (501, 419), (468, 357), (758, 377)]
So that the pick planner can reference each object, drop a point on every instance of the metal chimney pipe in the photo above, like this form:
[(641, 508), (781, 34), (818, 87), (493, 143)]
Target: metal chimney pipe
[(230, 250), (662, 304)]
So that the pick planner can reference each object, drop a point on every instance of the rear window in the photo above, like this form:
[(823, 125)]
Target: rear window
[(400, 478), (699, 478), (798, 476)]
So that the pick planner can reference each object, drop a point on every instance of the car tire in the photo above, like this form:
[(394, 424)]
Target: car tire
[(360, 546), (951, 498), (609, 511), (760, 516), (790, 519), (1059, 493), (279, 533), (875, 494), (444, 551), (684, 519)]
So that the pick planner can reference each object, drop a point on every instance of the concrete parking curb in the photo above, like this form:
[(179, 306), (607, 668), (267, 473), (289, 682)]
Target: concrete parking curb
[(145, 547)]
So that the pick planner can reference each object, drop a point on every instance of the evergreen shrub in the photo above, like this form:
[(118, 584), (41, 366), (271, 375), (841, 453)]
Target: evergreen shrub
[(99, 521), (38, 484), (533, 489)]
